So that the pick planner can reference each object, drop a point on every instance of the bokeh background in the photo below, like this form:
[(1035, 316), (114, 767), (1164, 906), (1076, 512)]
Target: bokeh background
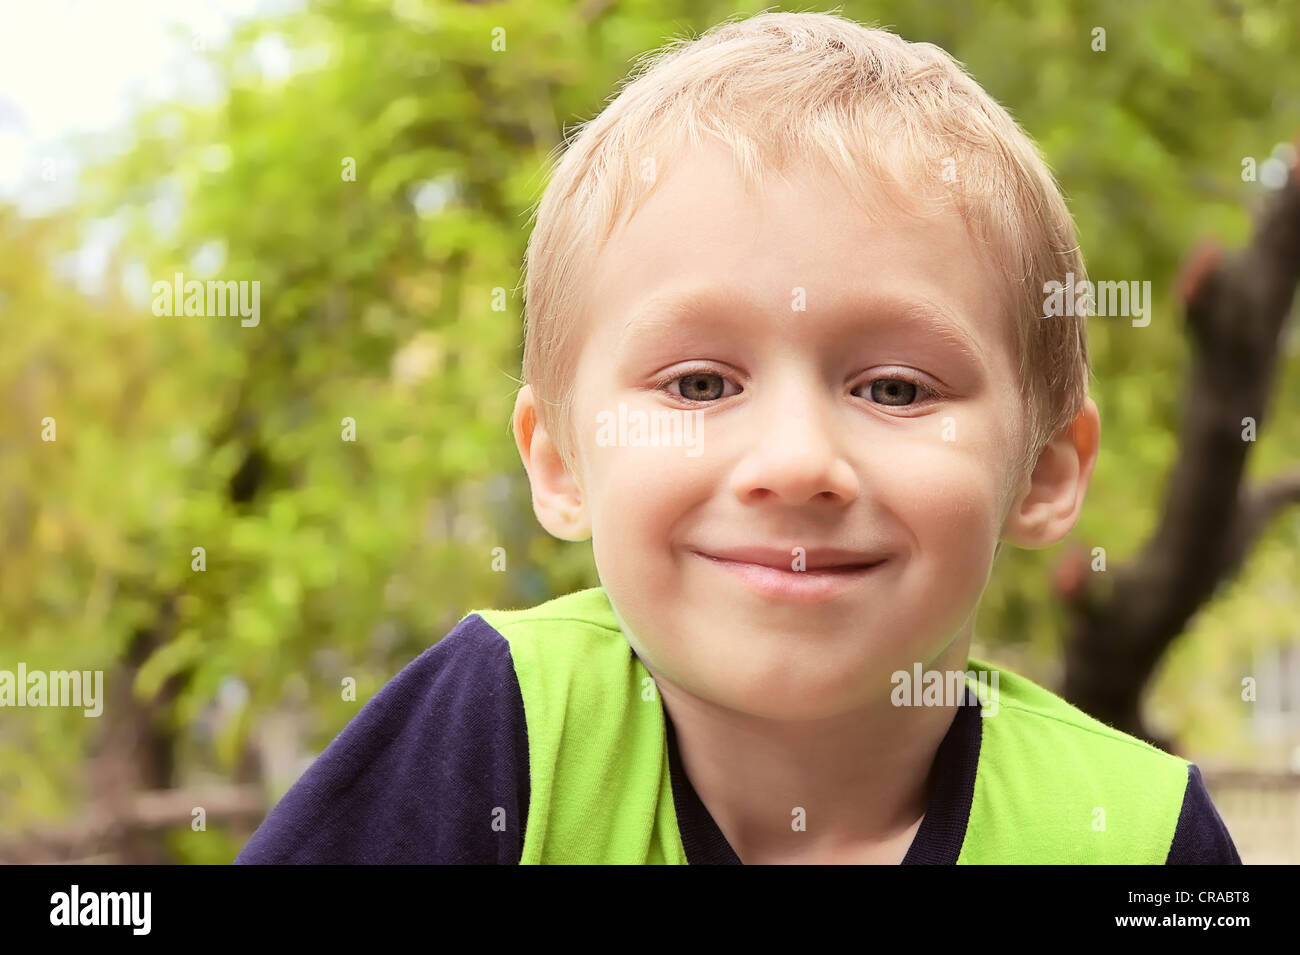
[(138, 140)]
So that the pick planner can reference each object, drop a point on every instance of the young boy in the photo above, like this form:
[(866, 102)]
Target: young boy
[(848, 240)]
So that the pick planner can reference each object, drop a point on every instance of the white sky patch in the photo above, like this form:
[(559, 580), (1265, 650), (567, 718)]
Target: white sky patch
[(73, 73), (70, 68)]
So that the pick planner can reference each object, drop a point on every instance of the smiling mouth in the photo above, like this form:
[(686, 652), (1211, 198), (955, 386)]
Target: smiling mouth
[(835, 569), (788, 585)]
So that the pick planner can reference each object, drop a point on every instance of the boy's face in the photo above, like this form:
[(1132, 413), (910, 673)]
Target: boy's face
[(796, 447)]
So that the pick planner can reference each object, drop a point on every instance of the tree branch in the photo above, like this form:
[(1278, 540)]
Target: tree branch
[(99, 832), (1236, 310)]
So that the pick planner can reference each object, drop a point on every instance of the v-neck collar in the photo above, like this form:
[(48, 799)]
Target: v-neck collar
[(939, 839)]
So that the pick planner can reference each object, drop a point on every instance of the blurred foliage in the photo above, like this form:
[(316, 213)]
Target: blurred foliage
[(377, 304)]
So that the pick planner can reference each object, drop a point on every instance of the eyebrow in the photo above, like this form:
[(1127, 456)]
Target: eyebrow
[(935, 320)]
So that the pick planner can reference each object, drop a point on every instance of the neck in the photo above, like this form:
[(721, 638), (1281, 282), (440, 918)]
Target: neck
[(852, 787)]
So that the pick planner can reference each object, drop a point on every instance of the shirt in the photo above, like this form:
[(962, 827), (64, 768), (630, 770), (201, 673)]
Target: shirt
[(440, 767)]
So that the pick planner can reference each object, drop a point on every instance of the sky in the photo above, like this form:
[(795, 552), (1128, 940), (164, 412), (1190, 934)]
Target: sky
[(77, 68), (72, 75)]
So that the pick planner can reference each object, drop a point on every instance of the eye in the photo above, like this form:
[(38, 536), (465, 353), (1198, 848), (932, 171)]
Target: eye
[(894, 391), (897, 392), (700, 386)]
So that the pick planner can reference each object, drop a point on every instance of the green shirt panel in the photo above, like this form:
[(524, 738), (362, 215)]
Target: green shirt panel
[(601, 791), (1052, 784)]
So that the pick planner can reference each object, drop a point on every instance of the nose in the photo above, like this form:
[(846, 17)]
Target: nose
[(795, 455)]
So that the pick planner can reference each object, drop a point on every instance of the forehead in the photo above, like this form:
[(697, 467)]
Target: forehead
[(702, 237)]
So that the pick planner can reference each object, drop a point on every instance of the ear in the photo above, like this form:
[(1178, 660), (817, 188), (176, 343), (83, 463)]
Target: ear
[(558, 500), (1048, 508)]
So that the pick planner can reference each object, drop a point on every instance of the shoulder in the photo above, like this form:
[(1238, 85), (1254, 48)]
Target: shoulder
[(572, 624), (600, 790), (1201, 837), (569, 653), (433, 769), (1056, 730), (1071, 787)]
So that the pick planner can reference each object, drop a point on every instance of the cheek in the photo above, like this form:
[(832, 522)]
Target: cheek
[(947, 495), (638, 499), (954, 484), (643, 504), (952, 501)]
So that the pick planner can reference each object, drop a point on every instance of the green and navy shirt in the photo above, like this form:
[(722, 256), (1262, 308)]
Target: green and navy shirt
[(528, 736)]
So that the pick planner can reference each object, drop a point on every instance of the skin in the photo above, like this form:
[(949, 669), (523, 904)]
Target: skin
[(782, 706)]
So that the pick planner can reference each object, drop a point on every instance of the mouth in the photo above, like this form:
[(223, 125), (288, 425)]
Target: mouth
[(785, 583)]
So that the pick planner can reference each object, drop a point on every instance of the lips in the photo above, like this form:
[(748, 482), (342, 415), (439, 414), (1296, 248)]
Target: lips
[(825, 576), (808, 558)]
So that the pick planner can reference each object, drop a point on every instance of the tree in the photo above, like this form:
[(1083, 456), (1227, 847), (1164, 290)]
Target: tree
[(1237, 310)]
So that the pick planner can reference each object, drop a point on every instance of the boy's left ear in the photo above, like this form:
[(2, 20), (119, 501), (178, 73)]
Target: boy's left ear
[(1049, 507)]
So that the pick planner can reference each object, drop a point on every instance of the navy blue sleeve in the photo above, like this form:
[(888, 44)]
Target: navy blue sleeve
[(1201, 837), (432, 770)]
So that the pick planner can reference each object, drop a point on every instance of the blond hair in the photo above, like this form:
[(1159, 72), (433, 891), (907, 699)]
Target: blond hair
[(778, 87)]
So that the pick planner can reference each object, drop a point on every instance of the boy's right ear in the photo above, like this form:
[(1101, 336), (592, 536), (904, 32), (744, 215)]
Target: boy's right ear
[(557, 496)]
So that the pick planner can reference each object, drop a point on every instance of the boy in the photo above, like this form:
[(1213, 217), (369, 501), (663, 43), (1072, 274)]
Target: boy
[(845, 238)]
